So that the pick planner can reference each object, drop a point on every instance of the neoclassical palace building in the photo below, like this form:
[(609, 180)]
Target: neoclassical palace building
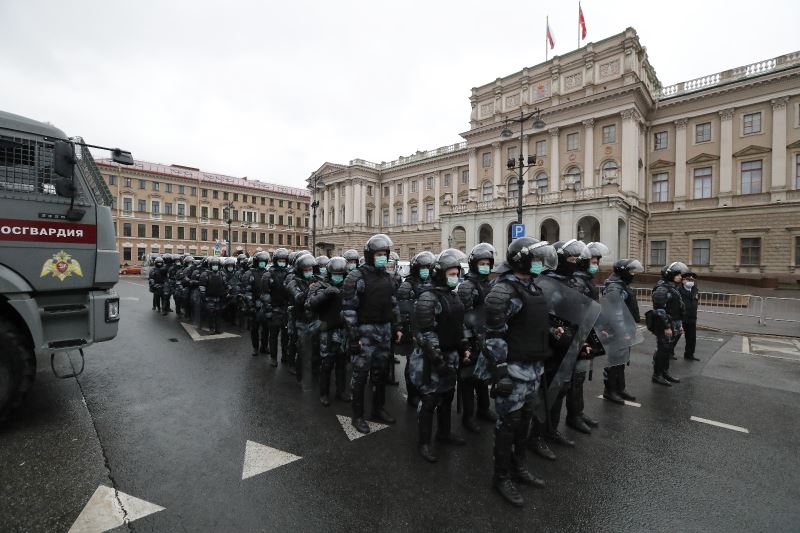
[(705, 171)]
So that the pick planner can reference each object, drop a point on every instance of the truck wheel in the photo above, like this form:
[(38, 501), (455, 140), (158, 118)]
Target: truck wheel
[(17, 368)]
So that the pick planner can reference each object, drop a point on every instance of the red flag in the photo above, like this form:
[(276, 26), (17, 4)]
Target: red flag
[(550, 39), (581, 21)]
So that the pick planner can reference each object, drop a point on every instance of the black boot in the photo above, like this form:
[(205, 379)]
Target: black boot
[(621, 386), (341, 387), (466, 388), (671, 379), (444, 431), (575, 405), (536, 442), (612, 386), (520, 471), (325, 383), (358, 421), (380, 414), (425, 429), (661, 381), (589, 421), (503, 445)]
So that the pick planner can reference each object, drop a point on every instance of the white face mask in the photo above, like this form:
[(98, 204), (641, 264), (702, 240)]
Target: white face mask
[(688, 284)]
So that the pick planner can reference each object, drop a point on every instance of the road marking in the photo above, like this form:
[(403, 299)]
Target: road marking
[(745, 344), (130, 298), (132, 283), (712, 339), (103, 511), (259, 459), (719, 424), (631, 404), (764, 347), (195, 335), (352, 433)]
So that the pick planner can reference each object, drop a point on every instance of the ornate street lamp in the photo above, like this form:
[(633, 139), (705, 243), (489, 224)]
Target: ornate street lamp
[(520, 164)]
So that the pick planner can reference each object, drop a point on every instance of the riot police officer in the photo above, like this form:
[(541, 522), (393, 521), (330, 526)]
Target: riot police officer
[(473, 291), (407, 294), (156, 279), (291, 344), (166, 286), (260, 311), (370, 311), (276, 276), (297, 290), (325, 303), (668, 308), (352, 258), (691, 299), (214, 288), (517, 342), (229, 268), (618, 285)]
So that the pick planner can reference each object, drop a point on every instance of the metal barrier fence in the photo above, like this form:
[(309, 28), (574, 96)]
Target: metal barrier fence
[(763, 308)]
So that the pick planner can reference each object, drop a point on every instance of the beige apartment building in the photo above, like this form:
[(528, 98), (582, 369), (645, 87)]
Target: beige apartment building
[(705, 171), (178, 209)]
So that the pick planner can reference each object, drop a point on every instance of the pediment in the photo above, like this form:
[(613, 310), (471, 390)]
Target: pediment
[(702, 158), (794, 145), (752, 150), (661, 163), (326, 168)]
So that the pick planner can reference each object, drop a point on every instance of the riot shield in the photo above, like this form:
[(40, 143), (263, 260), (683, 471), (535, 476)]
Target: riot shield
[(575, 313), (616, 329)]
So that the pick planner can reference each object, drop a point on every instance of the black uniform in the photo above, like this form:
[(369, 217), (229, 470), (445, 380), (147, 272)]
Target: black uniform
[(214, 288), (276, 278), (256, 293), (324, 302), (581, 281), (297, 291), (155, 279), (614, 376), (407, 294), (669, 309), (691, 299)]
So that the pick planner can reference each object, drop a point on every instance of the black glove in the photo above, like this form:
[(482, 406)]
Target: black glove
[(503, 383)]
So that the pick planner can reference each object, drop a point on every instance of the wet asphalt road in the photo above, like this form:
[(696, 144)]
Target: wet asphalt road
[(168, 422)]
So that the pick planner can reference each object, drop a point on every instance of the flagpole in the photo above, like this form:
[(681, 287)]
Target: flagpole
[(579, 25), (546, 29)]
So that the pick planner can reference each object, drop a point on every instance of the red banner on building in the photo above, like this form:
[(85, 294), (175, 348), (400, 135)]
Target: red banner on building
[(12, 229)]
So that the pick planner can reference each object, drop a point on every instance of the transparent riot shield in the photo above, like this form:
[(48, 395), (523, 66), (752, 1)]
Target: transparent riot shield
[(576, 314), (616, 329)]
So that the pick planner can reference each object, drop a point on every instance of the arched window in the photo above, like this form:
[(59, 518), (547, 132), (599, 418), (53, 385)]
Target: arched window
[(608, 171), (573, 178), (512, 187), (540, 184), (486, 191)]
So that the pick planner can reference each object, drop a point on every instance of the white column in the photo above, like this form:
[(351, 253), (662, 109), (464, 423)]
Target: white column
[(555, 170), (406, 193), (364, 204), (779, 144), (437, 193), (347, 198), (392, 220), (680, 160), (421, 199), (497, 159), (473, 174), (455, 184), (588, 154), (725, 153), (630, 150)]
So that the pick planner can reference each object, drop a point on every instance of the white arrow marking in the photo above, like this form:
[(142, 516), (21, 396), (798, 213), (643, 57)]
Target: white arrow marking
[(103, 511), (259, 459), (632, 404), (718, 424), (352, 433)]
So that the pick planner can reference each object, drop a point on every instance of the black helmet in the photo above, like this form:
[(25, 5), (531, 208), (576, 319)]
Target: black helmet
[(292, 257), (303, 261), (423, 259), (214, 262), (281, 254), (323, 260), (523, 252), (571, 248), (673, 269), (481, 251), (241, 260), (598, 249), (379, 242), (159, 261), (394, 256), (167, 259), (187, 259), (626, 268), (337, 265), (450, 258), (350, 255), (261, 257), (229, 263)]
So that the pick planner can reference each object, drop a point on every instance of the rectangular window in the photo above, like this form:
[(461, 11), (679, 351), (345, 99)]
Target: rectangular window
[(262, 238), (487, 159), (128, 182), (280, 203), (398, 216), (429, 213), (290, 220), (660, 187), (225, 195), (658, 252), (140, 253), (215, 213), (126, 254), (142, 184), (204, 193), (192, 210), (272, 202), (369, 217), (215, 195), (204, 211), (797, 251), (127, 205), (660, 140), (513, 153), (541, 148), (414, 186), (429, 183), (751, 177), (702, 132), (192, 234), (168, 232), (154, 230), (414, 215), (203, 234), (181, 189), (610, 134), (142, 206), (181, 233), (167, 187), (263, 218), (797, 172), (369, 190), (750, 252), (272, 218), (280, 220), (288, 240), (572, 142), (702, 183), (447, 178), (385, 217), (272, 238), (155, 207), (181, 210), (193, 191), (280, 238), (751, 123), (701, 252), (112, 179), (214, 234), (156, 186), (464, 177), (263, 200), (386, 191), (168, 208), (126, 230), (399, 188), (140, 228), (244, 237)]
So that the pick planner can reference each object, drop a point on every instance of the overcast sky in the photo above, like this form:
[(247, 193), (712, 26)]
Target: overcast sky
[(271, 90)]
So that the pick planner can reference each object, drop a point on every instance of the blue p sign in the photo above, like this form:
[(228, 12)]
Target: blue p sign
[(517, 231)]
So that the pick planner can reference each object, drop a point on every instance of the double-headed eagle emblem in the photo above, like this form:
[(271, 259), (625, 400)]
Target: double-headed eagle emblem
[(61, 266)]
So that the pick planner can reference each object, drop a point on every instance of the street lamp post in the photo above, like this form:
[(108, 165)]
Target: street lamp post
[(314, 205), (521, 165), (245, 226), (228, 210)]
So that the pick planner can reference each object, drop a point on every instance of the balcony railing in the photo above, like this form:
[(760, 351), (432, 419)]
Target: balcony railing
[(530, 199)]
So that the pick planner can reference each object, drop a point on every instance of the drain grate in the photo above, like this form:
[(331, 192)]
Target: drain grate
[(173, 340)]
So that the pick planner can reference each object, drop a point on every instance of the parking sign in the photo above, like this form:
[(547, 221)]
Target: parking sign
[(517, 231)]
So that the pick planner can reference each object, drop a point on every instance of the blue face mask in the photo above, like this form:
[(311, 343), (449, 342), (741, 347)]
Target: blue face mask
[(484, 270), (452, 281), (262, 264), (214, 268), (351, 266), (282, 264), (380, 261), (308, 275), (594, 269), (688, 284), (337, 279), (424, 273), (537, 267), (323, 271)]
